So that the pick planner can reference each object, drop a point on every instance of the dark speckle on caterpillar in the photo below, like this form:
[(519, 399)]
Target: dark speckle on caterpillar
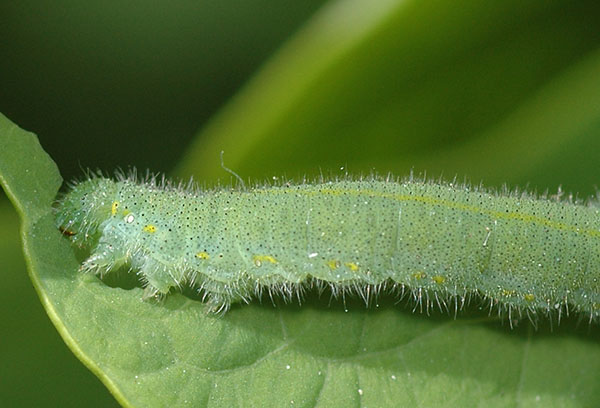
[(442, 243)]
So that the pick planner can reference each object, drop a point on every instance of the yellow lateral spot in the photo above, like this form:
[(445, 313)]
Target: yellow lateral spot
[(529, 297), (353, 267), (333, 264), (126, 212), (114, 207), (419, 275), (595, 306), (150, 229), (202, 255), (506, 292), (259, 259), (439, 279)]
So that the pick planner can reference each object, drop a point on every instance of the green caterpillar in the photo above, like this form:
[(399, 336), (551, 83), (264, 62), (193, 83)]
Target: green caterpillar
[(442, 243)]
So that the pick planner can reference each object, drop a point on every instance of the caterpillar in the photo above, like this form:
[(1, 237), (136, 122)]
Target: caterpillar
[(442, 243)]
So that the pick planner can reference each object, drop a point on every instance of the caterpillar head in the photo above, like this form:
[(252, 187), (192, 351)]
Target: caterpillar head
[(85, 207)]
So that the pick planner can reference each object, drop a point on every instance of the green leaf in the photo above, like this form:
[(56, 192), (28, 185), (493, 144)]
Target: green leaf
[(172, 353), (31, 348)]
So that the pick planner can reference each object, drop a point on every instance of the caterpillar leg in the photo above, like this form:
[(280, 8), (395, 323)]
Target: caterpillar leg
[(219, 295), (103, 259), (158, 278)]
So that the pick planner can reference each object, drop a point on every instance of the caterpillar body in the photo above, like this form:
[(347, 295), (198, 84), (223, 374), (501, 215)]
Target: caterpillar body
[(441, 242)]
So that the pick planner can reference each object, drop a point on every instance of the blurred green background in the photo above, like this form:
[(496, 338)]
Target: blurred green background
[(491, 93)]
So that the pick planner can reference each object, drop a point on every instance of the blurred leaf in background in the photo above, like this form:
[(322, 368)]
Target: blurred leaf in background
[(492, 92), (431, 86)]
